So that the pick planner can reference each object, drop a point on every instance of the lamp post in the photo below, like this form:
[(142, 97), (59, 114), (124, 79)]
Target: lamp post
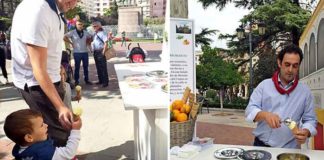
[(240, 34)]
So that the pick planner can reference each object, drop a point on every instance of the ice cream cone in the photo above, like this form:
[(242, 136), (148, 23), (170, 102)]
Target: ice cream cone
[(77, 112), (293, 127), (78, 92)]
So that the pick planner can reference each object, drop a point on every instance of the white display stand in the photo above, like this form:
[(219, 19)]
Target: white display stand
[(150, 108), (182, 57)]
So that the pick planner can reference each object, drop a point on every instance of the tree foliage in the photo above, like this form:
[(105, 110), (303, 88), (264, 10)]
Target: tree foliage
[(265, 68), (213, 72), (112, 11), (252, 4), (5, 23), (154, 21), (111, 14), (284, 20), (202, 37)]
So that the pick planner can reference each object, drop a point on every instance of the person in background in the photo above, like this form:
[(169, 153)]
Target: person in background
[(36, 46), (78, 39), (281, 97), (123, 38), (3, 45), (28, 130), (99, 47)]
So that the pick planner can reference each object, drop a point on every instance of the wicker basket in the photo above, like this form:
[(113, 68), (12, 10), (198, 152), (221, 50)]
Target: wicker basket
[(181, 132)]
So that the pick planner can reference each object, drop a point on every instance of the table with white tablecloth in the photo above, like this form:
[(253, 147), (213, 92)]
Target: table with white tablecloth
[(208, 154), (143, 93)]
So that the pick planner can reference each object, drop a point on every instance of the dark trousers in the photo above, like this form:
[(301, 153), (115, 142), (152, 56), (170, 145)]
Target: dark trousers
[(258, 142), (3, 63), (78, 57), (101, 65), (37, 100)]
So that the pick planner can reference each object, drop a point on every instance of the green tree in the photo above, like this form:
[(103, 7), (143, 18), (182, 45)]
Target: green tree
[(5, 23), (265, 67), (284, 22), (213, 72), (221, 4), (112, 11), (283, 18), (202, 37), (76, 11), (154, 21), (111, 14)]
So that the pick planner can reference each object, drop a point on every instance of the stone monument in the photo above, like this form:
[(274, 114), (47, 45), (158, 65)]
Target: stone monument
[(129, 20)]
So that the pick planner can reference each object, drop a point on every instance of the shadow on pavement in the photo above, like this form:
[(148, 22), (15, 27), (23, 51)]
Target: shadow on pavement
[(9, 93), (112, 153)]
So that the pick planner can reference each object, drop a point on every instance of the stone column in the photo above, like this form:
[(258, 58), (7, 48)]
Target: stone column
[(179, 8)]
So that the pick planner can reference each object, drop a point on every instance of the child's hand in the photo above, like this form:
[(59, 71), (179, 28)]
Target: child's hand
[(77, 124)]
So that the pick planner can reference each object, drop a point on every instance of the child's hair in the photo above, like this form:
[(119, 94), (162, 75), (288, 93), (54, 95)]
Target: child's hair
[(18, 124)]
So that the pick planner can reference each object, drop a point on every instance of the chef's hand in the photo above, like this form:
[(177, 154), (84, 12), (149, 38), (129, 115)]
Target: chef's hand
[(301, 135), (272, 119)]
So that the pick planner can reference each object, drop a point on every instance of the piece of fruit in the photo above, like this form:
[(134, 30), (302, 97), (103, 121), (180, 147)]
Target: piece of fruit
[(175, 113), (187, 108), (181, 117), (183, 109), (177, 104)]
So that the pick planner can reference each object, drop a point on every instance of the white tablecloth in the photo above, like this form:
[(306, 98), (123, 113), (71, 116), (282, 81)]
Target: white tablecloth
[(208, 154), (150, 109), (136, 98)]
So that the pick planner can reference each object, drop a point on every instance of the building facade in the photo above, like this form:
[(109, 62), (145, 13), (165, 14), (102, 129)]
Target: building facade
[(150, 8), (312, 68), (157, 8)]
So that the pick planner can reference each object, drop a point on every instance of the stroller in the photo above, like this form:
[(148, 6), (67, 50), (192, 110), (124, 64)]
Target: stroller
[(136, 55), (65, 62)]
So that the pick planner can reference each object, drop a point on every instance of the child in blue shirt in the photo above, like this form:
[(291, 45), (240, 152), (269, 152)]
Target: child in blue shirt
[(27, 129)]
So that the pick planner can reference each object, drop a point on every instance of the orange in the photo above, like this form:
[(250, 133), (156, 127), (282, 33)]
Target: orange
[(175, 113), (183, 109), (187, 108), (177, 104), (181, 117)]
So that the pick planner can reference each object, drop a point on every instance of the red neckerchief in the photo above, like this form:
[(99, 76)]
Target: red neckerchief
[(279, 88)]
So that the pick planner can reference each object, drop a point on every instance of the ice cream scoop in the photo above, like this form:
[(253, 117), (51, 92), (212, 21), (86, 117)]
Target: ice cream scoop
[(78, 92), (292, 125), (77, 112), (78, 88)]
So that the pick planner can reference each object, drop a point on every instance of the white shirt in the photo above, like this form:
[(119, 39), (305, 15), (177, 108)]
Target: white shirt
[(97, 44), (34, 22), (79, 44)]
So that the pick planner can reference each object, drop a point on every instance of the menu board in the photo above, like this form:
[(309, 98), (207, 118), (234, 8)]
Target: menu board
[(182, 58)]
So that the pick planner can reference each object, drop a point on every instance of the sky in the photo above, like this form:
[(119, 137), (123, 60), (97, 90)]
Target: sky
[(226, 21)]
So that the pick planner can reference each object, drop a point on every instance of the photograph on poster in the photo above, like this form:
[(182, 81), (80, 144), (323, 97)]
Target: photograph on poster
[(183, 28)]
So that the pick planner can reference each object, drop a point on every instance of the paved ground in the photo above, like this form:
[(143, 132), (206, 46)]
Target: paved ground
[(107, 131), (228, 127)]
